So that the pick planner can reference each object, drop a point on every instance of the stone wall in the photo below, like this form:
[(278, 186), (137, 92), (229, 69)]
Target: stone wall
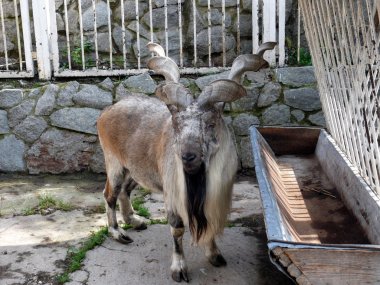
[(52, 128)]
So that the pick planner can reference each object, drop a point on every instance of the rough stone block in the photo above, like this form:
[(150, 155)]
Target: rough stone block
[(20, 112), (306, 99), (242, 123), (77, 119), (93, 97), (298, 114), (65, 95), (296, 76), (31, 128), (46, 103), (10, 97), (12, 154), (59, 151), (140, 83), (269, 94), (246, 153), (248, 102), (317, 119), (276, 115), (4, 126), (203, 81), (101, 16)]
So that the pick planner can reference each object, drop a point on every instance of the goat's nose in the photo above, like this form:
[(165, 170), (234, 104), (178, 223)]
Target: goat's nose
[(188, 157)]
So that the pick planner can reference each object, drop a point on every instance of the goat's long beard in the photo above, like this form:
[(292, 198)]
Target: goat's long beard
[(196, 198)]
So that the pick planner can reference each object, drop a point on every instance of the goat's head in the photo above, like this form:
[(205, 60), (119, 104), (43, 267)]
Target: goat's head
[(198, 124)]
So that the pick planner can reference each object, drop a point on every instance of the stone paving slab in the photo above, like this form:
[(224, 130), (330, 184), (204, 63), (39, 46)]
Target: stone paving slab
[(33, 248)]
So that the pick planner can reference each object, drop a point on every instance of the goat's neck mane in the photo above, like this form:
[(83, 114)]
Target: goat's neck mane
[(196, 198)]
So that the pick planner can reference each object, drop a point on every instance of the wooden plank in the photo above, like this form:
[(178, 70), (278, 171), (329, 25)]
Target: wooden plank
[(53, 36), (281, 32), (255, 26), (338, 267)]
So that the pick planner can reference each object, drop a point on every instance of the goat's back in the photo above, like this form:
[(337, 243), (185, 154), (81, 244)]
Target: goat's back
[(134, 132)]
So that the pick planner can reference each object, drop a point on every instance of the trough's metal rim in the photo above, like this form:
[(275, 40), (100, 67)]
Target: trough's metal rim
[(276, 233)]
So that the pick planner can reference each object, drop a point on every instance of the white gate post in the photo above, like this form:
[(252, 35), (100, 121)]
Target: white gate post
[(41, 31)]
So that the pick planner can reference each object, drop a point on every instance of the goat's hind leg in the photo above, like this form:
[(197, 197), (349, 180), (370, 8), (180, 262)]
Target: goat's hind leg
[(178, 267), (126, 208), (213, 254), (111, 193)]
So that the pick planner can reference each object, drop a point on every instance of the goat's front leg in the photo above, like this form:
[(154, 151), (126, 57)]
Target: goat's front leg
[(110, 196), (178, 267), (213, 254)]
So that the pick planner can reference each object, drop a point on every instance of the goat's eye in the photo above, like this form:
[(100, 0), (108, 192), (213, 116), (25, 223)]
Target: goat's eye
[(211, 126)]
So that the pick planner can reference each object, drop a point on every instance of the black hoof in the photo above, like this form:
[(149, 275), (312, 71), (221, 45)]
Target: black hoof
[(124, 239), (217, 260), (178, 276), (141, 227)]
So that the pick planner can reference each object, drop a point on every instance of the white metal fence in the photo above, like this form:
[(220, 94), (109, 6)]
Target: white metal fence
[(22, 64), (68, 44), (344, 38)]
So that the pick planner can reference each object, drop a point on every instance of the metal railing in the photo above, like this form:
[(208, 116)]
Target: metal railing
[(21, 63), (74, 48)]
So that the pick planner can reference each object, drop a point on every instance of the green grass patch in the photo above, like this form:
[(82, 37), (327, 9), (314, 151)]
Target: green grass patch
[(46, 202), (138, 206), (77, 255), (158, 221)]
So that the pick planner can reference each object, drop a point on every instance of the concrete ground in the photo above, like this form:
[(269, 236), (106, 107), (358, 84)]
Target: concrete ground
[(35, 241)]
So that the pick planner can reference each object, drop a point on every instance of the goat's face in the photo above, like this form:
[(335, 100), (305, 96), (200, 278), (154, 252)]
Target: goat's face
[(196, 131)]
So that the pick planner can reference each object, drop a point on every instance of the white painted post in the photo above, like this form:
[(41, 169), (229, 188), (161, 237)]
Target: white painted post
[(25, 20), (40, 16), (53, 35), (269, 23), (255, 25), (281, 32)]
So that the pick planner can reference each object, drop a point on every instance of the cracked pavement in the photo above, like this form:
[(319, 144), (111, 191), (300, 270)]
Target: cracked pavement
[(33, 248)]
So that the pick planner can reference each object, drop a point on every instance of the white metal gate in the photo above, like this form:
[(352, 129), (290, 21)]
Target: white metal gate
[(14, 67), (344, 38), (65, 58)]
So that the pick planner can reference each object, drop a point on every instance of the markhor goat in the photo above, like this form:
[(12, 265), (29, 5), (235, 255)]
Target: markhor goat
[(177, 145)]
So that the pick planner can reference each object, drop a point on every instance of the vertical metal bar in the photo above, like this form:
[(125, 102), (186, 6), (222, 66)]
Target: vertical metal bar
[(25, 19), (166, 28), (151, 20), (138, 32), (53, 35), (18, 33), (81, 33), (298, 33), (96, 35), (255, 25), (209, 31), (180, 33), (237, 26), (224, 31), (4, 35), (67, 34), (195, 31), (109, 31), (281, 32), (123, 34)]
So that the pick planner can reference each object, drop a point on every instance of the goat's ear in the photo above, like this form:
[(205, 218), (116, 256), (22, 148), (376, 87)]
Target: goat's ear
[(174, 94), (223, 90)]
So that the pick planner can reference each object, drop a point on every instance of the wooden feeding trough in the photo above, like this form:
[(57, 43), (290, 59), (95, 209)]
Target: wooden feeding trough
[(322, 220)]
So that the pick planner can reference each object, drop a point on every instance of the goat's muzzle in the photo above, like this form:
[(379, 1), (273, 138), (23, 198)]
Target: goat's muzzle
[(191, 162)]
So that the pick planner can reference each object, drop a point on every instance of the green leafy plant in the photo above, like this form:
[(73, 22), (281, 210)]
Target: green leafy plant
[(138, 206), (46, 202)]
